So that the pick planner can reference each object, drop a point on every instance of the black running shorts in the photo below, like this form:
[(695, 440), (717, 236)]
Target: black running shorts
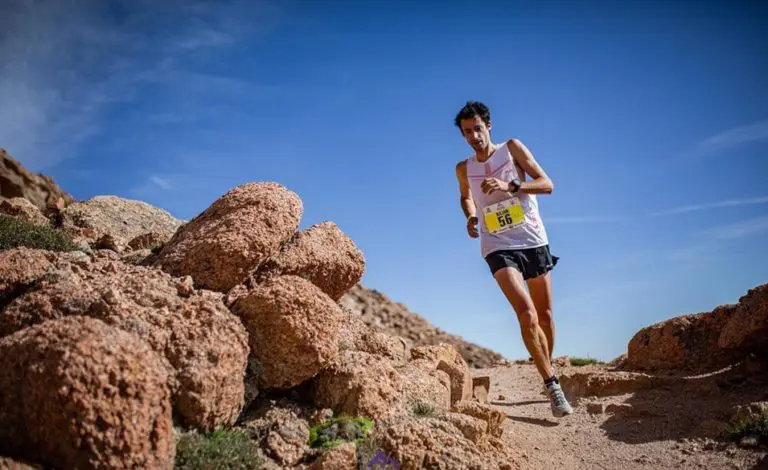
[(531, 262)]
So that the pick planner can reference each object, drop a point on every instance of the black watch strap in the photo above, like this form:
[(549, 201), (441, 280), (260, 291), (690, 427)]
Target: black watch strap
[(515, 183)]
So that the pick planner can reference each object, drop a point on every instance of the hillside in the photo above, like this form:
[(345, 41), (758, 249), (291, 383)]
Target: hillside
[(377, 310)]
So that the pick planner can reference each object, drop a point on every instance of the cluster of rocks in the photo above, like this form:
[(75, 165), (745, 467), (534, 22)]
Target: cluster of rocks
[(39, 190), (377, 310), (101, 358), (706, 341)]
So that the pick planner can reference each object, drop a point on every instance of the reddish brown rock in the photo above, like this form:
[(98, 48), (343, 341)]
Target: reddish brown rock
[(747, 329), (490, 415), (481, 387), (446, 358), (438, 443), (474, 429), (601, 383), (220, 247), (395, 319), (10, 464), (17, 181), (78, 393), (21, 208), (343, 457), (688, 342), (20, 268), (287, 437), (360, 384), (206, 345), (357, 336), (322, 254), (112, 222), (426, 385), (148, 241), (293, 329)]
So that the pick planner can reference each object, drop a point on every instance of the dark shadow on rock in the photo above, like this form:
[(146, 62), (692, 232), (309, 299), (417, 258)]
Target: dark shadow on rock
[(519, 403), (536, 421), (761, 465), (688, 407)]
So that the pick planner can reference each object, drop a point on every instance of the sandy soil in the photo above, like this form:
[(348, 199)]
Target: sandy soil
[(653, 429)]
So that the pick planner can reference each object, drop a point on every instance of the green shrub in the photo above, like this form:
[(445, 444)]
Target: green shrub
[(16, 232), (755, 426), (423, 409), (339, 430), (221, 449)]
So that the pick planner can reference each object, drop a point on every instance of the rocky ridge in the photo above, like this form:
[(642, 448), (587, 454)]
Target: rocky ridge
[(377, 310)]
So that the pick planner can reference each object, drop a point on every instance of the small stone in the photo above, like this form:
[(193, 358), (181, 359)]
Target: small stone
[(595, 408)]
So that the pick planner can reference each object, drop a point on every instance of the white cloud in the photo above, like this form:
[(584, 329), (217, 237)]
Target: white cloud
[(737, 136), (740, 229), (587, 219), (65, 63), (711, 205), (162, 182), (597, 219)]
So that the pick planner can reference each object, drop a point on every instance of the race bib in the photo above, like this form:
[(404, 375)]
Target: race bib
[(503, 215)]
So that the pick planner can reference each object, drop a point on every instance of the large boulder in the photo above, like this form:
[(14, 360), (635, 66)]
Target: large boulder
[(221, 246), (747, 328), (360, 384), (115, 222), (447, 442), (688, 342), (18, 182), (78, 393), (20, 268), (293, 329), (23, 209), (445, 357), (355, 335), (193, 330), (324, 255), (425, 385)]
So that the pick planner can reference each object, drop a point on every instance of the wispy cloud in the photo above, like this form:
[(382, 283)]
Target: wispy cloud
[(162, 182), (741, 229), (736, 136), (663, 213), (65, 64), (711, 205), (587, 219)]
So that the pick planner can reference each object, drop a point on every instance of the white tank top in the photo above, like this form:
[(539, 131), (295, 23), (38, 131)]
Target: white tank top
[(507, 222)]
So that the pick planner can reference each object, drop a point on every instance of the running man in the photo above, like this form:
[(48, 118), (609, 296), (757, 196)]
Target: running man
[(496, 195)]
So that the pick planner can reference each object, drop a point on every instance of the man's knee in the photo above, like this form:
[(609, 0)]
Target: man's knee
[(545, 317), (528, 318)]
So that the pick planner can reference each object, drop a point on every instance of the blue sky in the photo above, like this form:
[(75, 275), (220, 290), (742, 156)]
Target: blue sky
[(650, 117)]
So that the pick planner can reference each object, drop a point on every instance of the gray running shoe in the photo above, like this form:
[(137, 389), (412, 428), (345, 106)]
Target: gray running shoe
[(560, 405)]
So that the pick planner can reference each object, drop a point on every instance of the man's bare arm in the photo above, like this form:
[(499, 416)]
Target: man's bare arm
[(466, 201), (541, 183)]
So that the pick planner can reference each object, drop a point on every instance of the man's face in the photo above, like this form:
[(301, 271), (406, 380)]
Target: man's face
[(476, 133)]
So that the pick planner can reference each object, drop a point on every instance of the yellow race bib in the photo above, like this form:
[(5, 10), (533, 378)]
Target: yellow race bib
[(503, 215)]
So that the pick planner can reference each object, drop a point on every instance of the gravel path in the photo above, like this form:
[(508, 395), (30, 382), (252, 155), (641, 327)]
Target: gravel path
[(661, 436)]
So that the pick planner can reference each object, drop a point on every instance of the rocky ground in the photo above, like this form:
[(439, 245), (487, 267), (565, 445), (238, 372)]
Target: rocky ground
[(670, 426)]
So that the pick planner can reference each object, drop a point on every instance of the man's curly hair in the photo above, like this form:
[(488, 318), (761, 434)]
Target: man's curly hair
[(472, 109)]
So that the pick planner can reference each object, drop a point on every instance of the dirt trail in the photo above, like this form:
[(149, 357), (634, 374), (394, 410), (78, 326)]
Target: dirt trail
[(657, 438)]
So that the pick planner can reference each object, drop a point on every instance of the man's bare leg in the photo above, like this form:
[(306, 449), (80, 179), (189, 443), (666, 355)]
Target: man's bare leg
[(541, 293), (512, 285)]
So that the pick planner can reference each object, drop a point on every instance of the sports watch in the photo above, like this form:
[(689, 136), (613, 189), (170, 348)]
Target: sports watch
[(514, 186)]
